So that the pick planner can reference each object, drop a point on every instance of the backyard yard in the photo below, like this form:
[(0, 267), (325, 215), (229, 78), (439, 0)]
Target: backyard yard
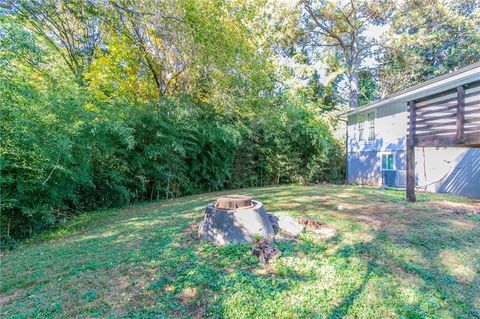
[(377, 257), (113, 111)]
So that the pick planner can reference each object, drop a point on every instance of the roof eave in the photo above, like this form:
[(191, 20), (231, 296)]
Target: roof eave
[(471, 72)]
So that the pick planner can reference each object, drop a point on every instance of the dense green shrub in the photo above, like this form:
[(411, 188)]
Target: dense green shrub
[(287, 145), (63, 154)]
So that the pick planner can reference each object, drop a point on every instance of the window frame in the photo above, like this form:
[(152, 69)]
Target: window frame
[(387, 154), (371, 126), (361, 118), (366, 127)]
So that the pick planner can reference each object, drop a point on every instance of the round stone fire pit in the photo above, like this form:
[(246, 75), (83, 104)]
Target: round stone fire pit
[(235, 219)]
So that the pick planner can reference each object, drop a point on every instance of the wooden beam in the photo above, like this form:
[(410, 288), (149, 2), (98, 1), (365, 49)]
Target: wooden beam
[(474, 103), (434, 96), (433, 141), (443, 117), (469, 129), (472, 85), (473, 120), (436, 131), (471, 139), (473, 94), (460, 114), (433, 125), (445, 108), (412, 118), (476, 110), (436, 104), (411, 154)]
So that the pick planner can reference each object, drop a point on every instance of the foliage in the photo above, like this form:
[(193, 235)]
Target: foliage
[(428, 39), (368, 88), (336, 32), (113, 136), (382, 258), (369, 49)]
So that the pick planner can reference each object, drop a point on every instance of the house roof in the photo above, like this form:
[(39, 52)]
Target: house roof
[(461, 76)]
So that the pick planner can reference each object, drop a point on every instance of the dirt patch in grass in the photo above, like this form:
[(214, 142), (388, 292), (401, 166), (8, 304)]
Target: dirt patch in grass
[(460, 208), (325, 232), (188, 295), (4, 299), (390, 216), (190, 234)]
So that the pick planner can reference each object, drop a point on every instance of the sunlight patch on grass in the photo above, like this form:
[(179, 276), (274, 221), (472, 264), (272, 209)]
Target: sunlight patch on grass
[(458, 265), (350, 238), (409, 294), (106, 234), (462, 225)]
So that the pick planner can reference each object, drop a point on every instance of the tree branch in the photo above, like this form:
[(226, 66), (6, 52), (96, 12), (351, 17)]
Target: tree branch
[(328, 32), (54, 167)]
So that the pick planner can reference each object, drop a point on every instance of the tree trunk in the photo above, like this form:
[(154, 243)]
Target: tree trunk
[(354, 89)]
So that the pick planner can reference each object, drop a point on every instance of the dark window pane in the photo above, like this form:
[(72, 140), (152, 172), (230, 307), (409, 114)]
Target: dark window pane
[(390, 161)]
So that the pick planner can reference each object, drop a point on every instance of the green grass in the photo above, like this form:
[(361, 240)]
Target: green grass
[(385, 259)]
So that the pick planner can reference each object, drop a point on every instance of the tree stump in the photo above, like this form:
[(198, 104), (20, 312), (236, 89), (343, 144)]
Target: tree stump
[(245, 221)]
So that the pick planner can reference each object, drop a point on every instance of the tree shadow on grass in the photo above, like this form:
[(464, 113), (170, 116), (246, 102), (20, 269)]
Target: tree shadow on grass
[(200, 279), (342, 309), (439, 293), (142, 264), (200, 284)]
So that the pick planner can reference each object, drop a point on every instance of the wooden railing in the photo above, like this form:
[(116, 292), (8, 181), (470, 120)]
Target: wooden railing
[(450, 118)]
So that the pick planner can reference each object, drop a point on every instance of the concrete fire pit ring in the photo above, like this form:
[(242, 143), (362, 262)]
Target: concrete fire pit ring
[(222, 226)]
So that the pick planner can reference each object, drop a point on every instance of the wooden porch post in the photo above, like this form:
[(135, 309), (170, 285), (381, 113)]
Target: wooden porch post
[(411, 154), (460, 114)]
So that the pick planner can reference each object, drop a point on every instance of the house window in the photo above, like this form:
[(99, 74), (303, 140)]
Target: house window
[(361, 127), (371, 126), (387, 162), (366, 127)]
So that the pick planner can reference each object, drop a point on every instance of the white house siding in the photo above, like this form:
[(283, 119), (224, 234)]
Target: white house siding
[(450, 170), (365, 158)]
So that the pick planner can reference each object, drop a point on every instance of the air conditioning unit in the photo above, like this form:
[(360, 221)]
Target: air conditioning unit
[(394, 178)]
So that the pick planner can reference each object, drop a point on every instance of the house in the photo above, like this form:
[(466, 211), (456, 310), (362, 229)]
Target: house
[(377, 136)]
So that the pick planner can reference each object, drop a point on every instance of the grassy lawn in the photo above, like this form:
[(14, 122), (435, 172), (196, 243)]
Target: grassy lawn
[(382, 258)]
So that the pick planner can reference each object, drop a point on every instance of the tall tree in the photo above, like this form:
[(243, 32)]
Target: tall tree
[(430, 38), (338, 30), (70, 27), (160, 33)]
